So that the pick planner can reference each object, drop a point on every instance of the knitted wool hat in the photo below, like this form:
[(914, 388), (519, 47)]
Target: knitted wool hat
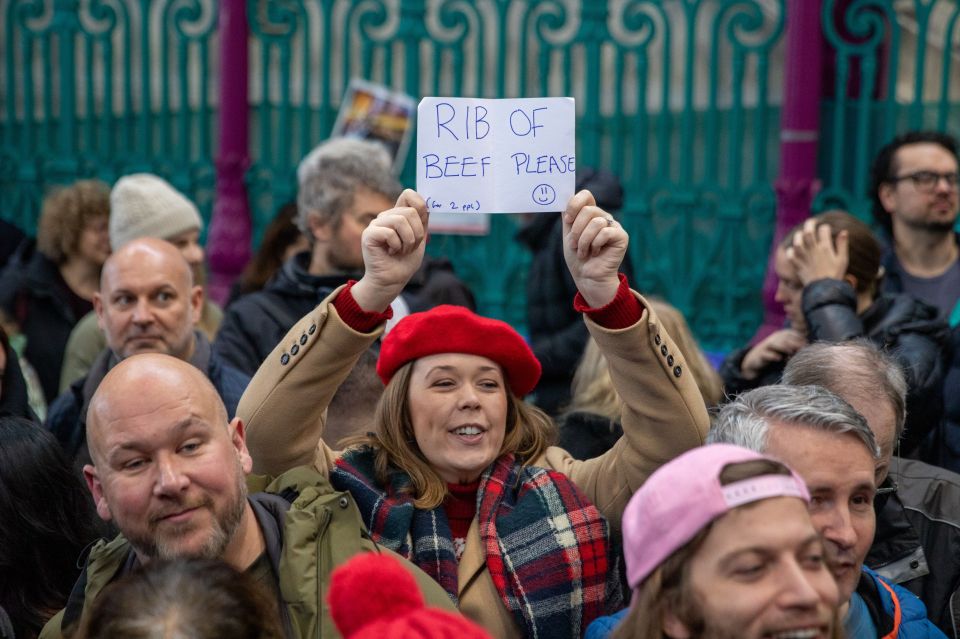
[(455, 329), (373, 597), (144, 205)]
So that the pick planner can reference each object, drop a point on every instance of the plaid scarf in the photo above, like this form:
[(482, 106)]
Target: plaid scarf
[(547, 546)]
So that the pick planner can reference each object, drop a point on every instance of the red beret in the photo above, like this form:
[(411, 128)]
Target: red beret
[(455, 329)]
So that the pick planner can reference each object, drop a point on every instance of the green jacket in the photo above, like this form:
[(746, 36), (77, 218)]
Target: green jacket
[(309, 529)]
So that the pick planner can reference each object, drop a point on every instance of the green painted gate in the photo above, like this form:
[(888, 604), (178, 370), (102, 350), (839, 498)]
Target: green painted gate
[(679, 97)]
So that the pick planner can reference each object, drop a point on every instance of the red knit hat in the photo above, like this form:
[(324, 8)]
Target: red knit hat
[(373, 597), (455, 329)]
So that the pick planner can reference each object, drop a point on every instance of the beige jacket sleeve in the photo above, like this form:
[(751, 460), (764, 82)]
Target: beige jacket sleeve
[(663, 415), (284, 406)]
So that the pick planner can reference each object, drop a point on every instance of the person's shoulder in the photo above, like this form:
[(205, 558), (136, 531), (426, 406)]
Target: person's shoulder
[(930, 490), (601, 627), (913, 613)]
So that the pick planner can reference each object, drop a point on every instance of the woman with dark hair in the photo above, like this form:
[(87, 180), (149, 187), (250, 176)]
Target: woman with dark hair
[(830, 273), (200, 599), (49, 294), (460, 474), (46, 521)]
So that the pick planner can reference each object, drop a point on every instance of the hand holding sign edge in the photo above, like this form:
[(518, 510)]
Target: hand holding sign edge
[(392, 247)]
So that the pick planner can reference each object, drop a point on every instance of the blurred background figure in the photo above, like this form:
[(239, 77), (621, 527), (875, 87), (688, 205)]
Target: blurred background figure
[(144, 205), (373, 597), (591, 423), (830, 273), (18, 396), (557, 333), (343, 185), (46, 521), (47, 293), (281, 241), (200, 599)]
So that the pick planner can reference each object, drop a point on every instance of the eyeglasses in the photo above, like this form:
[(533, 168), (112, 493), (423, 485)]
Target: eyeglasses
[(928, 180)]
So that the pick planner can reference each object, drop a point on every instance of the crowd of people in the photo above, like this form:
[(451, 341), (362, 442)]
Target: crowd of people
[(349, 449)]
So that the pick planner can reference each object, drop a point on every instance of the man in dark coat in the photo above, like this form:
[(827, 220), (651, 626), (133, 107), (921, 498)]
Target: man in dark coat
[(557, 332), (343, 185), (147, 303)]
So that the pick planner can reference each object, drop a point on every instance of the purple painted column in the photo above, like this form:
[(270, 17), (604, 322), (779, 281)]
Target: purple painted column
[(228, 242), (799, 134)]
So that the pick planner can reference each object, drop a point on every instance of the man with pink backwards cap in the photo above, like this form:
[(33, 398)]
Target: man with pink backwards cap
[(831, 446), (719, 543)]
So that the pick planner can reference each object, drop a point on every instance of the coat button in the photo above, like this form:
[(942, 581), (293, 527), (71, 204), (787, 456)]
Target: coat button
[(343, 502), (663, 350), (914, 564), (313, 329), (284, 359), (303, 339), (677, 371), (294, 349), (669, 360), (656, 339)]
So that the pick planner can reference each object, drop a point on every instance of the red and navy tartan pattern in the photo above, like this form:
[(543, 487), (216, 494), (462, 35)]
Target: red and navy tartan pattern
[(547, 546)]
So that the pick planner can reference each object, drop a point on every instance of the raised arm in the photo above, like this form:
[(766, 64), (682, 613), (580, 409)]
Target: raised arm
[(664, 413), (284, 407)]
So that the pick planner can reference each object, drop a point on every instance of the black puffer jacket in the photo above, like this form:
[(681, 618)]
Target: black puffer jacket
[(903, 326), (255, 323), (35, 296)]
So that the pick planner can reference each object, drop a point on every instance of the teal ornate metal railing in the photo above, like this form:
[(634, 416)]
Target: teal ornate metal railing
[(693, 143), (679, 97), (101, 89), (895, 70)]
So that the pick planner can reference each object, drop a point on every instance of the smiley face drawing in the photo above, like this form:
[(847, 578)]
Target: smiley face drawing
[(544, 194)]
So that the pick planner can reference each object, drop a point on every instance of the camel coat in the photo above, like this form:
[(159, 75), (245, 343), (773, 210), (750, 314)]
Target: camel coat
[(284, 409)]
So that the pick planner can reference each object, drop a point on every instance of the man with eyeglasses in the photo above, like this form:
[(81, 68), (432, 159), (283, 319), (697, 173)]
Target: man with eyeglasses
[(915, 198), (917, 505)]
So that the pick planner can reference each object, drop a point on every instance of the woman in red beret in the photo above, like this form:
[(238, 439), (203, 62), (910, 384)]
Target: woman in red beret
[(459, 473)]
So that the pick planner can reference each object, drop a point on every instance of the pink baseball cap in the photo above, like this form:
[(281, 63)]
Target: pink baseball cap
[(684, 495)]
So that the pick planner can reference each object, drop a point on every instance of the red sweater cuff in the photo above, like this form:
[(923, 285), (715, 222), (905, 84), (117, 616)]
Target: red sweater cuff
[(622, 311), (355, 317)]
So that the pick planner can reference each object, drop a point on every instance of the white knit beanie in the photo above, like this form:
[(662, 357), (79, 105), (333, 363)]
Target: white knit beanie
[(144, 205)]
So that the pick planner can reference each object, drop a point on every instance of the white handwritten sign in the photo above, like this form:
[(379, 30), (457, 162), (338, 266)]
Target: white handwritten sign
[(496, 156)]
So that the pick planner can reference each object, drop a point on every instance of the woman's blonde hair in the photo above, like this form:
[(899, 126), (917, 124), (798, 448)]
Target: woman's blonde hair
[(529, 431), (65, 213), (593, 389)]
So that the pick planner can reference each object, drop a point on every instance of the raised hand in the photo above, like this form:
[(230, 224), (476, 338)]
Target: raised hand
[(593, 246), (814, 255), (392, 247), (775, 347)]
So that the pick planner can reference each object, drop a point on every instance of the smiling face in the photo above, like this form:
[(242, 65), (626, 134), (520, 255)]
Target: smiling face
[(760, 574), (458, 408), (840, 475), (169, 470)]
